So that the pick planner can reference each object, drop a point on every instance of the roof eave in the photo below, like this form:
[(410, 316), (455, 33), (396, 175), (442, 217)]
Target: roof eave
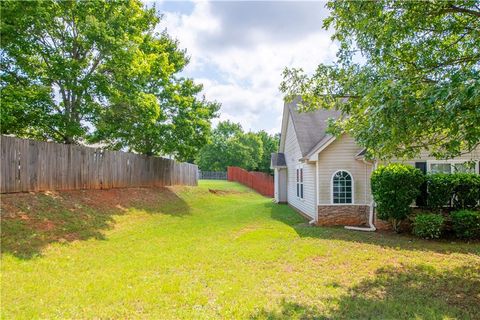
[(313, 154)]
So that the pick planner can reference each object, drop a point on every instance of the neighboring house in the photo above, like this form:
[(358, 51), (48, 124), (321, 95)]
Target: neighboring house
[(327, 178)]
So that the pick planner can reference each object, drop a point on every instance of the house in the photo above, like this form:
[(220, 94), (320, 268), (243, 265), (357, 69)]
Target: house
[(327, 178)]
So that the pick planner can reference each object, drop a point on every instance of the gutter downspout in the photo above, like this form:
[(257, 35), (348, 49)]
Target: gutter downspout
[(315, 219), (370, 227)]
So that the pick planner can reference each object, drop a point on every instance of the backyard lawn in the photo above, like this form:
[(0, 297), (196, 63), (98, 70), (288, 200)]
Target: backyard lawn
[(217, 251)]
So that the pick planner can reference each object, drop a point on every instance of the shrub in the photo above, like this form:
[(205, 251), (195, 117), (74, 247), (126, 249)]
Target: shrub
[(440, 190), (466, 190), (428, 225), (466, 224), (394, 188)]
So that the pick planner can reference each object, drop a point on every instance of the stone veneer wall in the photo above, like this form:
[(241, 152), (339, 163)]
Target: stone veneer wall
[(342, 215)]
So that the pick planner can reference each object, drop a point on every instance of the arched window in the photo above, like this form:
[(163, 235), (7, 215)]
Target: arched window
[(342, 187)]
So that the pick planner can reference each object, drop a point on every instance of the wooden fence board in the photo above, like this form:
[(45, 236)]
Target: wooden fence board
[(259, 181), (28, 165)]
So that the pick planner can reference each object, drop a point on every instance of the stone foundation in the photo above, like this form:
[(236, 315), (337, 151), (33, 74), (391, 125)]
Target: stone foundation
[(342, 215)]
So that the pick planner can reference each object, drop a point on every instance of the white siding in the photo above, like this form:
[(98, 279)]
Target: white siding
[(307, 205), (340, 155)]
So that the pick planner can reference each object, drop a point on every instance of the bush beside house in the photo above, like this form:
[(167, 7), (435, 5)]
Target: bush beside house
[(466, 224), (459, 190), (394, 188), (428, 225)]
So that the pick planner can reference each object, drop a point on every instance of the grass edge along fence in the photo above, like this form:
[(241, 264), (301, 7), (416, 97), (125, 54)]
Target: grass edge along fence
[(258, 181), (29, 165)]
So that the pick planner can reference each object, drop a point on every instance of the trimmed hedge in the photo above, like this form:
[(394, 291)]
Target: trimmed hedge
[(394, 188), (439, 190), (466, 190), (466, 224), (463, 189), (428, 225)]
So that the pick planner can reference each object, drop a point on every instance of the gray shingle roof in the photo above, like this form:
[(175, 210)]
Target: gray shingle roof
[(310, 127), (278, 160)]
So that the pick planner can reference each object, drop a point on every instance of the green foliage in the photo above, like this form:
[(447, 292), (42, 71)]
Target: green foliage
[(466, 190), (98, 70), (417, 85), (394, 188), (463, 189), (440, 190), (230, 146), (270, 145), (466, 224), (428, 225)]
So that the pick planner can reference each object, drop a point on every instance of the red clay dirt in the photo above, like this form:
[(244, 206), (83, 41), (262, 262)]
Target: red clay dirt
[(32, 220)]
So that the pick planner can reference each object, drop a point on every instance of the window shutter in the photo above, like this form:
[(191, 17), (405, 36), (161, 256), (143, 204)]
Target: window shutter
[(422, 166), (422, 198)]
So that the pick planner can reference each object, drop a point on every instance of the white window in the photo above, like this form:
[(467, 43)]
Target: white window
[(300, 183), (342, 187), (451, 166)]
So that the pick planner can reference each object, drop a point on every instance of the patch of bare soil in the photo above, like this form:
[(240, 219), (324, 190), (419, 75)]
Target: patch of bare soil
[(30, 221), (224, 192)]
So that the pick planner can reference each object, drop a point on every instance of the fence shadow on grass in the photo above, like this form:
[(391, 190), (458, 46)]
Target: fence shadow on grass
[(418, 292), (31, 221), (404, 241)]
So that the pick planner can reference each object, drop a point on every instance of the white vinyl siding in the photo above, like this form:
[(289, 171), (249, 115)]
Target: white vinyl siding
[(292, 152), (340, 156)]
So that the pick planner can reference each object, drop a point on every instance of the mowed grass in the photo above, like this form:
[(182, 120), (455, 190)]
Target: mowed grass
[(189, 253)]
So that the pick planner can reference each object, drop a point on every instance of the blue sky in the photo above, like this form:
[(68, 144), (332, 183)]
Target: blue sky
[(239, 49)]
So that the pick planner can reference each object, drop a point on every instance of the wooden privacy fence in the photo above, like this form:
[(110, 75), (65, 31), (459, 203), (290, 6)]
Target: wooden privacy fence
[(259, 181), (28, 165)]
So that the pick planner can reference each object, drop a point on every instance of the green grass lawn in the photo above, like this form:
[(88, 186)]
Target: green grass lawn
[(188, 253)]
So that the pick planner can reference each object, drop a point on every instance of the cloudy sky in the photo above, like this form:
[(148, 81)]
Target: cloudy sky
[(239, 49)]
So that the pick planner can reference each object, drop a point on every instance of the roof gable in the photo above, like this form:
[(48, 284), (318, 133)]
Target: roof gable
[(310, 127)]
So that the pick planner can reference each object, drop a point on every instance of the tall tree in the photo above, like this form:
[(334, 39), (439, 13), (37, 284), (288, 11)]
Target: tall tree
[(70, 68), (417, 85), (270, 145), (70, 49), (230, 146)]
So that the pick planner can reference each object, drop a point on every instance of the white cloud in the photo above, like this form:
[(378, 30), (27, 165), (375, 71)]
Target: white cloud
[(238, 51)]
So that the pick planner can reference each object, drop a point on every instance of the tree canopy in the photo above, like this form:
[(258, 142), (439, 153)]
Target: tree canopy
[(407, 76), (231, 146), (98, 71)]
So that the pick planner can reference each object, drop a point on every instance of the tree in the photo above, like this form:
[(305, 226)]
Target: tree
[(96, 70), (71, 49), (417, 85), (230, 146), (270, 145)]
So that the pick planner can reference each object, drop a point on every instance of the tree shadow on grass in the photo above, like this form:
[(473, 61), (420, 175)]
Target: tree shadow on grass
[(31, 221), (404, 241), (418, 292)]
